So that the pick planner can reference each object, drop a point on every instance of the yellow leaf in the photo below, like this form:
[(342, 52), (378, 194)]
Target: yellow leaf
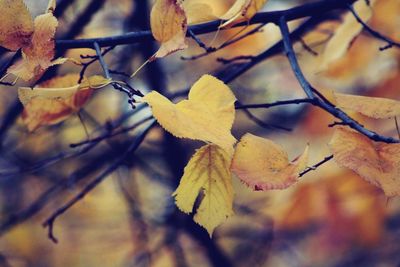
[(345, 34), (242, 10), (207, 172), (376, 162), (169, 26), (197, 12), (37, 56), (16, 27), (374, 107), (264, 165), (55, 100), (207, 115)]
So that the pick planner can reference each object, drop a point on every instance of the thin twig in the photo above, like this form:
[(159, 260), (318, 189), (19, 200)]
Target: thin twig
[(49, 223), (374, 33), (314, 167)]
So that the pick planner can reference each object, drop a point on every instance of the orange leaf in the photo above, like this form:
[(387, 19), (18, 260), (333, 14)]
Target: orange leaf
[(169, 26), (376, 162), (16, 27), (55, 100), (264, 165), (374, 107)]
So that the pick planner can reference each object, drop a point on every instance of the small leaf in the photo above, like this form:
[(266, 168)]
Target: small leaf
[(55, 100), (241, 10), (16, 27), (376, 162), (207, 172), (169, 26), (207, 115), (345, 34), (264, 165)]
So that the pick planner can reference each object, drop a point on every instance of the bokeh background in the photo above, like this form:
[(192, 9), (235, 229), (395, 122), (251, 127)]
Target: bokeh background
[(331, 217)]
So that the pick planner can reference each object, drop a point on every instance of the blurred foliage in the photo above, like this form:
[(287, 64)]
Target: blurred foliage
[(332, 217)]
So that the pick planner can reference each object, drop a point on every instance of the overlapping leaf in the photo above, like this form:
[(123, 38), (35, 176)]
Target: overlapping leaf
[(264, 165), (242, 10), (345, 34), (168, 25), (36, 39), (376, 162), (207, 173), (207, 115), (54, 101)]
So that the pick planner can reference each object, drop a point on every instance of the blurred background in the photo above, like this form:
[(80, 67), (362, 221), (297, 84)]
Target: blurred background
[(331, 217)]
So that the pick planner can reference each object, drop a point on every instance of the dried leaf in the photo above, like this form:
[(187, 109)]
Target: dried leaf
[(16, 27), (38, 55), (169, 26), (207, 115), (376, 162), (241, 10), (345, 34), (207, 172), (54, 101), (374, 107), (264, 165)]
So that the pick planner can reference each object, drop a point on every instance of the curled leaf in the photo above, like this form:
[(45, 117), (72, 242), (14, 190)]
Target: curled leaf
[(207, 172), (376, 162), (241, 10), (168, 25), (54, 101), (16, 27), (197, 11), (207, 115), (264, 165)]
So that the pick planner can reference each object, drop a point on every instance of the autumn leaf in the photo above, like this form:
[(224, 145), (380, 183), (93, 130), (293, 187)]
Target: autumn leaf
[(168, 25), (208, 173), (376, 162), (374, 107), (264, 165), (241, 10), (55, 100), (16, 27), (197, 11), (37, 56), (207, 115), (345, 34)]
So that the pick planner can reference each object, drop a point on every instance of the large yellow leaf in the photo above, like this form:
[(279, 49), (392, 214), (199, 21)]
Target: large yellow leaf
[(16, 27), (207, 172), (38, 55), (264, 165), (207, 115), (54, 101), (374, 107), (376, 162), (242, 10), (345, 33), (169, 26)]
